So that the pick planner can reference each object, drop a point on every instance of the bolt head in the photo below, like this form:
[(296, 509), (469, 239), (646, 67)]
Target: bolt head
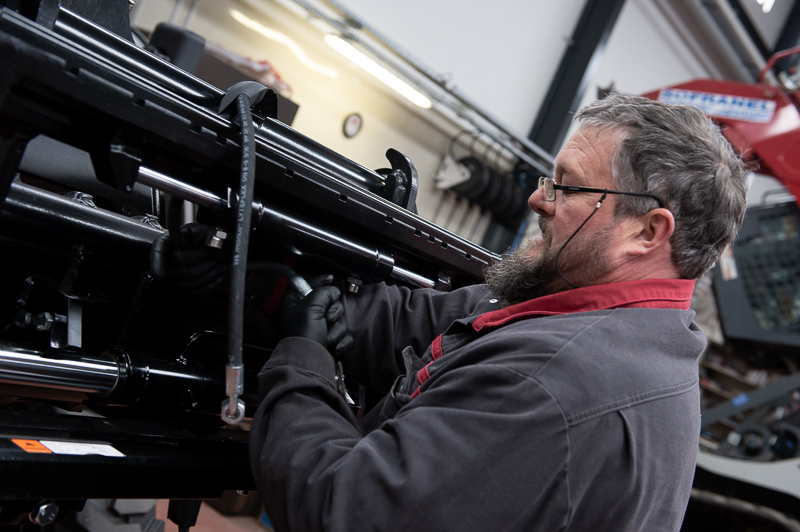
[(353, 284), (45, 514), (44, 321), (216, 238)]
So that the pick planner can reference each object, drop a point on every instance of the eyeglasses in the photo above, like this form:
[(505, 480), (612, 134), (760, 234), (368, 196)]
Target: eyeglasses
[(549, 186)]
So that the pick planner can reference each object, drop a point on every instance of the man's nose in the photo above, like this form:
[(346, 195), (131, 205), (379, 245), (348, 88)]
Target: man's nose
[(539, 204)]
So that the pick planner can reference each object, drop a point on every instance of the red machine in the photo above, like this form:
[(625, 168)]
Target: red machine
[(760, 120), (750, 438)]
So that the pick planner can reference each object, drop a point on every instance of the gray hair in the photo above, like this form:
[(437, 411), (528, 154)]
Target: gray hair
[(679, 154)]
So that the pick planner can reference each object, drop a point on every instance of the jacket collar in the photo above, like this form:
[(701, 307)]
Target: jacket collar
[(647, 293)]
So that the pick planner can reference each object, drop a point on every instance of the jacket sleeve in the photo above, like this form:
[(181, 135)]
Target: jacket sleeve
[(385, 319), (453, 458)]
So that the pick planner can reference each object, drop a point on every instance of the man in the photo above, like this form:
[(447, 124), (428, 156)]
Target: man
[(562, 395)]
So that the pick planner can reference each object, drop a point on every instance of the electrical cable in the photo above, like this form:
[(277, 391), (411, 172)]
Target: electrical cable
[(497, 154), (487, 151), (452, 213), (472, 141), (236, 297), (558, 268), (455, 138), (139, 34), (523, 227), (438, 209), (464, 218), (478, 222)]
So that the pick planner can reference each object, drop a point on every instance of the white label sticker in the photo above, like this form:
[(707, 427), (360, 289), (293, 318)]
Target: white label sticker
[(80, 448), (722, 105)]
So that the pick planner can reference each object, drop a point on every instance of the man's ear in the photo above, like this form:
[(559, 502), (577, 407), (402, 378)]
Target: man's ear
[(650, 232)]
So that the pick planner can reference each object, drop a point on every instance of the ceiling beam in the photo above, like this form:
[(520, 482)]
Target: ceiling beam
[(577, 67)]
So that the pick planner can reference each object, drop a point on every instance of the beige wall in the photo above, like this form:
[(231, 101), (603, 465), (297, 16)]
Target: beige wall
[(389, 121)]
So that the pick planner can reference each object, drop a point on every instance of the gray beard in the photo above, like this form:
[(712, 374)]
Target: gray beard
[(524, 274)]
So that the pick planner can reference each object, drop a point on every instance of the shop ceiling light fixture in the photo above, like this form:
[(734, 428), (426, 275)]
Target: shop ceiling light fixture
[(397, 84), (282, 38), (766, 5)]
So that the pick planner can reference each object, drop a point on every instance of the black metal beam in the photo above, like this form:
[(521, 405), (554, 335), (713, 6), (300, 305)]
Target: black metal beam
[(147, 459), (570, 82), (789, 37)]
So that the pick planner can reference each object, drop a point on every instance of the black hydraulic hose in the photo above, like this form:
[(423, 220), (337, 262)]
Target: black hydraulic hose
[(236, 297)]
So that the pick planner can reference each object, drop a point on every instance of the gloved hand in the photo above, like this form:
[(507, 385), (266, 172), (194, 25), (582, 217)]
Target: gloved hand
[(193, 265), (313, 316), (318, 316)]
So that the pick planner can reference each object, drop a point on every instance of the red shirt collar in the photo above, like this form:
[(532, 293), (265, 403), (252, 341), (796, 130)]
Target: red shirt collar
[(647, 293)]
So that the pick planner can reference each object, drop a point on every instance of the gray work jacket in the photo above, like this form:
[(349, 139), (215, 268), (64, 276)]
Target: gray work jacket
[(576, 412)]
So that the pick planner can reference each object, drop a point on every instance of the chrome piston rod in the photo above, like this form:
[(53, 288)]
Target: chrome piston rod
[(297, 228), (62, 370), (120, 377)]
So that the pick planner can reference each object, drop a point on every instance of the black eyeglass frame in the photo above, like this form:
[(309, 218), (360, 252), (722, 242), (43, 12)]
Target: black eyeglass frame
[(549, 187)]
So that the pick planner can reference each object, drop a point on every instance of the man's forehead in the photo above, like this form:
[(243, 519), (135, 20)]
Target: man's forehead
[(587, 148), (577, 141), (561, 165), (565, 159)]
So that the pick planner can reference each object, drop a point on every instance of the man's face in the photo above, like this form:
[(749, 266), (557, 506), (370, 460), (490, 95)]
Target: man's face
[(533, 269)]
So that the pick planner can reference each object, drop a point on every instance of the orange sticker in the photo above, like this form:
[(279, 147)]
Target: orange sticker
[(31, 446)]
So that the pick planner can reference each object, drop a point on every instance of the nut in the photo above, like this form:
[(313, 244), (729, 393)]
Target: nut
[(44, 321), (353, 284), (216, 238)]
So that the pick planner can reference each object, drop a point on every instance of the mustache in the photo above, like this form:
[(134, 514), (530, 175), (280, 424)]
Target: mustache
[(544, 223), (544, 226)]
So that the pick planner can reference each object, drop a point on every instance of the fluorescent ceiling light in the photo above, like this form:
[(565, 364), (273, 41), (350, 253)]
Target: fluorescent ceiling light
[(279, 37), (400, 86), (766, 5)]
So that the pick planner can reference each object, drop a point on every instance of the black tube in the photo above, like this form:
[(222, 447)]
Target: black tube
[(30, 212), (236, 296), (166, 384), (116, 49), (123, 53), (306, 238), (294, 146)]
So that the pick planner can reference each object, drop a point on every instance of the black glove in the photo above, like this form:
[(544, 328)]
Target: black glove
[(193, 264), (315, 316)]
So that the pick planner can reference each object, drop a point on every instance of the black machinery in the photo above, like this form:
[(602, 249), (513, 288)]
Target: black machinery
[(114, 384)]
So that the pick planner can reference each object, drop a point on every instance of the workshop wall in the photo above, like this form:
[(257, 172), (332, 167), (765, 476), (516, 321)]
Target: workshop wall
[(645, 52), (325, 101), (501, 55), (501, 58)]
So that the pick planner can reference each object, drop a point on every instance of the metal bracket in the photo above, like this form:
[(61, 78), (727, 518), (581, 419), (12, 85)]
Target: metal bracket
[(119, 167), (11, 150), (402, 181)]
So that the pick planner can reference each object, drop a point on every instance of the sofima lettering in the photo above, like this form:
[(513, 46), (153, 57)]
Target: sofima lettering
[(722, 105)]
